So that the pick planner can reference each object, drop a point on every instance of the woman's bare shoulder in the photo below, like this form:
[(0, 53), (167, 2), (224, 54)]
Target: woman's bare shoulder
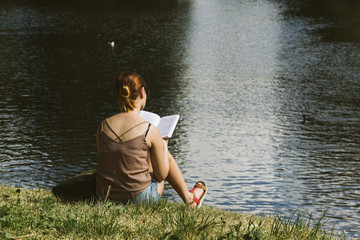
[(153, 136)]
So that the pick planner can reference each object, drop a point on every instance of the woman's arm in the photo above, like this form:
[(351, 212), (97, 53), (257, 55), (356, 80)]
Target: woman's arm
[(158, 154)]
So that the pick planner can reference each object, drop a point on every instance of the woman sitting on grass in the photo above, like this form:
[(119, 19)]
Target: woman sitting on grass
[(134, 160)]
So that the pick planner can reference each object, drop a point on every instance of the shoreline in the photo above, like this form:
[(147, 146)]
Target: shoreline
[(38, 214)]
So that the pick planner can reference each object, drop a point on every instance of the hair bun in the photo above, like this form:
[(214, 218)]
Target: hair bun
[(125, 92), (128, 89)]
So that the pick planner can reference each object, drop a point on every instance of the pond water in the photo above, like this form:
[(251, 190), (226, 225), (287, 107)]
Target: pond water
[(240, 73)]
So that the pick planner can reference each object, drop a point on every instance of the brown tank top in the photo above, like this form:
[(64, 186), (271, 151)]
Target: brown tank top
[(122, 165)]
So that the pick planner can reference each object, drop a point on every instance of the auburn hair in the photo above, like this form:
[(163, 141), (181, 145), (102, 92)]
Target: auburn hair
[(128, 89)]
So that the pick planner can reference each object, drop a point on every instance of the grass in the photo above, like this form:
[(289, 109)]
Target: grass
[(37, 214)]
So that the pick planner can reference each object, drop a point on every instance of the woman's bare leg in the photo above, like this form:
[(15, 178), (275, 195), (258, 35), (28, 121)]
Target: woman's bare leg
[(160, 185), (176, 180)]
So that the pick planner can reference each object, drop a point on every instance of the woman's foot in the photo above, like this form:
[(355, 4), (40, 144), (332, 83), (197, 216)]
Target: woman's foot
[(197, 194)]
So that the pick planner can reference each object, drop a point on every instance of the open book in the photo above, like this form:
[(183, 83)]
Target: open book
[(166, 125)]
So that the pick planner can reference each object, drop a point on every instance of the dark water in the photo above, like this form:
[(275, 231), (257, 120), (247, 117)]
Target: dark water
[(240, 73)]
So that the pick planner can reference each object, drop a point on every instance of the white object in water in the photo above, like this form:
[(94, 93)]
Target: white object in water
[(112, 44)]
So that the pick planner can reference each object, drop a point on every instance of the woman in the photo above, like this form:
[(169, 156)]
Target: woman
[(134, 160)]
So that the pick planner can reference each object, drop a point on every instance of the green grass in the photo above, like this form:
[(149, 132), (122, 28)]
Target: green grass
[(37, 214)]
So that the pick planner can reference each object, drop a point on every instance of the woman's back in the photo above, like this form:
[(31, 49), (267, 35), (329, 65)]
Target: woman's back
[(124, 126), (122, 159)]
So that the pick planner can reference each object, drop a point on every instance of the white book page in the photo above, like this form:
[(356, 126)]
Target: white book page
[(150, 117), (167, 125)]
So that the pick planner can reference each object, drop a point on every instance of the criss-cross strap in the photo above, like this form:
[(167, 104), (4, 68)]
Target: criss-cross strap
[(119, 136), (107, 123), (131, 128)]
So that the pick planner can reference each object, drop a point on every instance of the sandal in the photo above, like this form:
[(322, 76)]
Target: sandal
[(195, 199)]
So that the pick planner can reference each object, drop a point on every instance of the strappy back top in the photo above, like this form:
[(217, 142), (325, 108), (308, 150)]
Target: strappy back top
[(119, 137), (122, 165)]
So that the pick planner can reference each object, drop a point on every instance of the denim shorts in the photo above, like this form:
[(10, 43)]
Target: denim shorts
[(150, 194)]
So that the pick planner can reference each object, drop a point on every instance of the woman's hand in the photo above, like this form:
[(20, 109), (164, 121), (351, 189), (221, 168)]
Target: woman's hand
[(166, 142)]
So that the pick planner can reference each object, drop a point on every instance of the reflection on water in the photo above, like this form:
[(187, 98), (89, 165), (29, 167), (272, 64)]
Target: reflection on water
[(240, 73)]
